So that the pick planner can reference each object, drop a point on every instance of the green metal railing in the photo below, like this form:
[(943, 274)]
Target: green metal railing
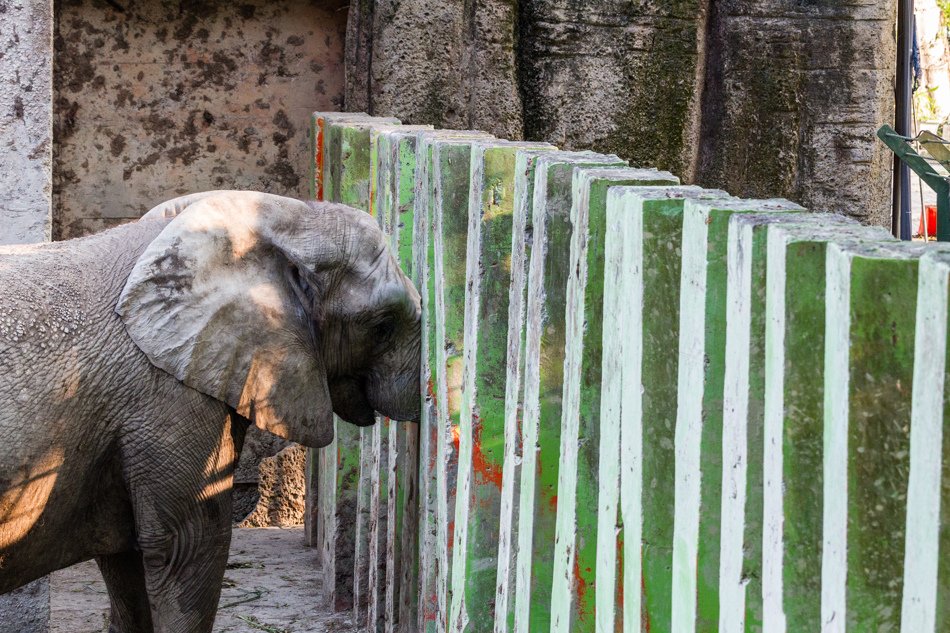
[(925, 168)]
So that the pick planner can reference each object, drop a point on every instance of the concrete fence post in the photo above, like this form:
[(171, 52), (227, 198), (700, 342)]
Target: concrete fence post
[(646, 406)]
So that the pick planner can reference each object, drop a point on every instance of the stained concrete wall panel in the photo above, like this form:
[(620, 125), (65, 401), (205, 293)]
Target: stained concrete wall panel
[(159, 98), (26, 66), (793, 96)]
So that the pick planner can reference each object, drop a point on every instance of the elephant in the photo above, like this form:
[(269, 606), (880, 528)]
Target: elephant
[(133, 361)]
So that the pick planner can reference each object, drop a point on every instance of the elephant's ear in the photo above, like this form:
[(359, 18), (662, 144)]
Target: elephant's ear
[(217, 301)]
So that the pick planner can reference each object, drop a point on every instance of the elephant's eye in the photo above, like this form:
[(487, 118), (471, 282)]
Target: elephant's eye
[(383, 330)]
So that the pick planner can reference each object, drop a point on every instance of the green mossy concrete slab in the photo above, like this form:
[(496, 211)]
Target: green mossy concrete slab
[(317, 141), (433, 448), (483, 431), (395, 159), (317, 514), (550, 230), (581, 543), (699, 430), (793, 418), (869, 355), (336, 153), (741, 569), (449, 163), (339, 464), (382, 170), (643, 248)]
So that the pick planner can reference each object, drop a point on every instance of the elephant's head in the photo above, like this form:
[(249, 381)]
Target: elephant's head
[(287, 311)]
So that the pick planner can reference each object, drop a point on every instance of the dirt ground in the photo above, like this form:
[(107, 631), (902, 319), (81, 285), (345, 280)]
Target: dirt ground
[(271, 585)]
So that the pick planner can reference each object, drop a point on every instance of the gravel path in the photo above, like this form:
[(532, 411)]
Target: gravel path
[(271, 585)]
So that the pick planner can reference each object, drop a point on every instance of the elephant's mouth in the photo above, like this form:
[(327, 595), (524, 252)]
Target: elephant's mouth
[(350, 402)]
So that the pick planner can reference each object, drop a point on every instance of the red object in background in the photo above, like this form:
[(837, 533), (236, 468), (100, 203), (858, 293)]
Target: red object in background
[(930, 211)]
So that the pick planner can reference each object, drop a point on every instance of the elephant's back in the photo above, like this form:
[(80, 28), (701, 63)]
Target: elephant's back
[(55, 289), (60, 339)]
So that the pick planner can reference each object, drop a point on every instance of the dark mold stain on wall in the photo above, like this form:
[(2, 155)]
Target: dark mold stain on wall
[(157, 98)]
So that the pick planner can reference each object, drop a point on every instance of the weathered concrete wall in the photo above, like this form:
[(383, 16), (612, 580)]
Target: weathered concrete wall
[(614, 76), (434, 62), (754, 96), (793, 97), (26, 67), (155, 99)]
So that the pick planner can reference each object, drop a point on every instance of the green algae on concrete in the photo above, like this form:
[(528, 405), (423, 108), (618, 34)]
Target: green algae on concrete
[(338, 465), (334, 127), (416, 154), (395, 172), (731, 564), (482, 420), (869, 357), (926, 600), (699, 430), (317, 144), (381, 169), (644, 235), (321, 499), (449, 180), (509, 569), (352, 180), (579, 486), (549, 227), (793, 418), (741, 569), (432, 449), (518, 613), (356, 162)]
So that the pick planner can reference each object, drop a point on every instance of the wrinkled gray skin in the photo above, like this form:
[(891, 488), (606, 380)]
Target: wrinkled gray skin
[(132, 362)]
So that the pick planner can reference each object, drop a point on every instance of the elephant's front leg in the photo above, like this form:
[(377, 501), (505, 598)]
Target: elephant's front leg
[(181, 495), (183, 574)]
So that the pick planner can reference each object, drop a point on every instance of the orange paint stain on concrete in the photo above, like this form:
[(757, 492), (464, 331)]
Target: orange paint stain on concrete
[(489, 472), (645, 616), (618, 626), (318, 162), (580, 586)]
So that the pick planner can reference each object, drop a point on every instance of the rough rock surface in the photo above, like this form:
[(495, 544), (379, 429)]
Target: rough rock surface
[(447, 63), (761, 97), (258, 446), (280, 490), (615, 76)]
